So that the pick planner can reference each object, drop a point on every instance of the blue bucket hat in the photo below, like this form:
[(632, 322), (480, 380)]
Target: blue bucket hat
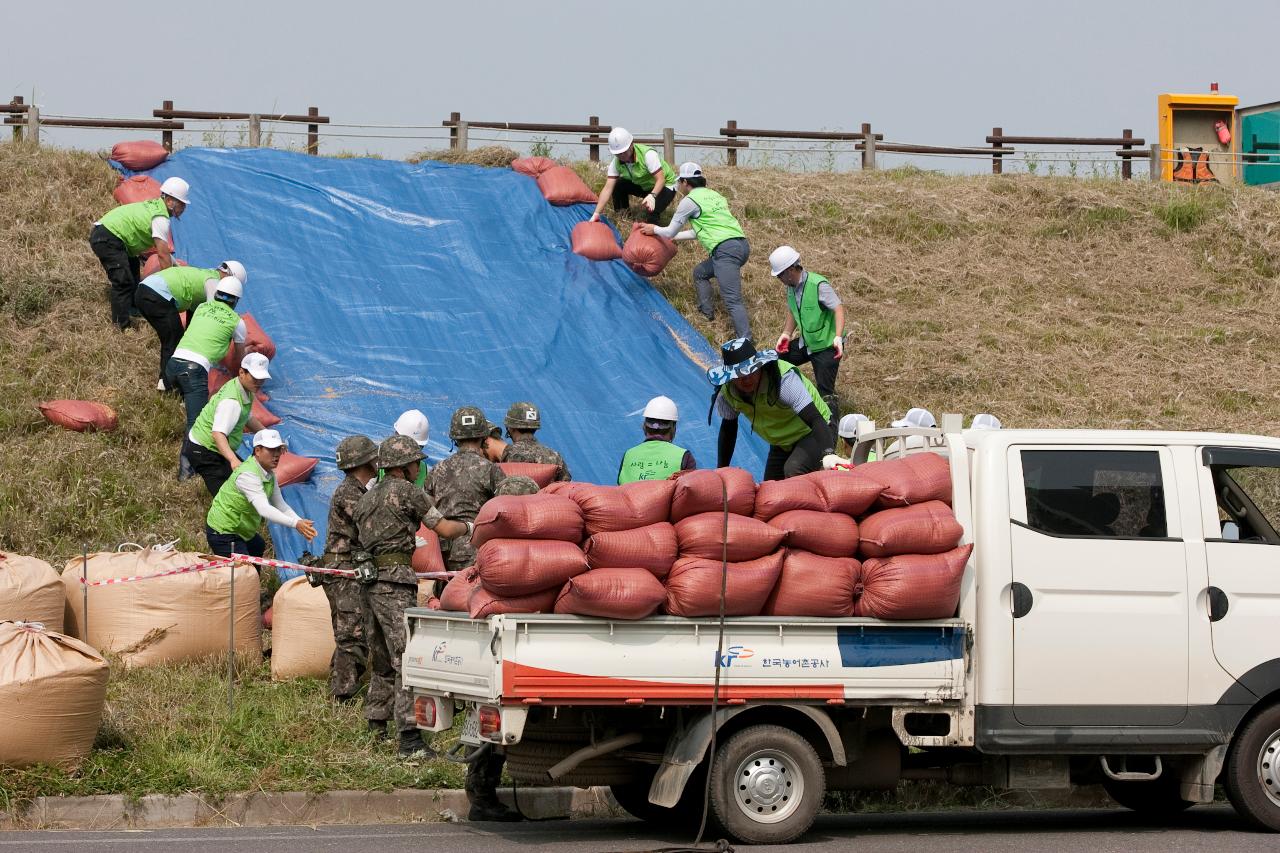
[(740, 359)]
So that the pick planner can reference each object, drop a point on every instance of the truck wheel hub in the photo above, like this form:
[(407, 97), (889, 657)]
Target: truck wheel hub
[(1269, 767), (767, 787)]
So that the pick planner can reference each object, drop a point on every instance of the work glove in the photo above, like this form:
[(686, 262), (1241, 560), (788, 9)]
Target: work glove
[(838, 344), (831, 461), (784, 342), (649, 202)]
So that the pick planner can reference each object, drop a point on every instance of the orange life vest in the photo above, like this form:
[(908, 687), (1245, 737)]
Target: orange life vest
[(1192, 167)]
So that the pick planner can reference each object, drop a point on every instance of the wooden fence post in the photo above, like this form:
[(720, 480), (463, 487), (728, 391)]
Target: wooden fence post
[(997, 164), (33, 124), (1157, 163), (462, 136), (15, 101), (1126, 165), (669, 144), (453, 131), (594, 149), (166, 136), (868, 147), (732, 157), (255, 130), (313, 133)]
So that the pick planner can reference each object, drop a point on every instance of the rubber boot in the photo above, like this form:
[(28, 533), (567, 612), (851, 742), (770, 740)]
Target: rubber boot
[(379, 729), (491, 808), (412, 746)]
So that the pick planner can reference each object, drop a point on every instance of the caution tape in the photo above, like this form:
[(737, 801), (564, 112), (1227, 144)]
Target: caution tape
[(221, 562)]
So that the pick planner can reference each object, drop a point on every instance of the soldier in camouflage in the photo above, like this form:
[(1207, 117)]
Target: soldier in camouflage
[(387, 520), (357, 456), (463, 482), (523, 421), (517, 486)]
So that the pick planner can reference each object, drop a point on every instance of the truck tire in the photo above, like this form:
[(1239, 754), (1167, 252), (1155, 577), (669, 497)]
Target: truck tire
[(1157, 798), (1252, 773), (767, 785), (683, 817)]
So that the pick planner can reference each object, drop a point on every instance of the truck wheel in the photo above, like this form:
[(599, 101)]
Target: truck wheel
[(1159, 797), (767, 785), (684, 816), (1252, 774)]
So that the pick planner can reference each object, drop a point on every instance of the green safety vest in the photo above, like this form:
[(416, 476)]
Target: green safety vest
[(132, 223), (776, 423), (187, 284), (202, 429), (231, 511), (421, 482), (715, 223), (650, 460), (637, 173), (210, 330), (817, 324)]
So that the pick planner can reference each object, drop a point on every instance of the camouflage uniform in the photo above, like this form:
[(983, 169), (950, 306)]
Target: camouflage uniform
[(346, 600), (460, 485), (517, 486), (387, 519), (531, 450)]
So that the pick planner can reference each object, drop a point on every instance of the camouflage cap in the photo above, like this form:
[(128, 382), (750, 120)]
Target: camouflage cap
[(523, 416), (517, 486), (398, 451), (468, 422), (354, 451)]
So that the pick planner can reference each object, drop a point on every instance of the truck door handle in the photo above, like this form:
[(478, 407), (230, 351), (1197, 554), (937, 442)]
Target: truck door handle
[(1022, 600), (1218, 604)]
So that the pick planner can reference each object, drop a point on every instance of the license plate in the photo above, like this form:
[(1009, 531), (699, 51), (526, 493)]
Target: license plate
[(471, 726)]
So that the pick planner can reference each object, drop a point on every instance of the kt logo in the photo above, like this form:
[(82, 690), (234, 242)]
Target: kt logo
[(734, 653)]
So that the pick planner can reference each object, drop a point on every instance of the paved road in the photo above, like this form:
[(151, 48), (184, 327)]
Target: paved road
[(1214, 828)]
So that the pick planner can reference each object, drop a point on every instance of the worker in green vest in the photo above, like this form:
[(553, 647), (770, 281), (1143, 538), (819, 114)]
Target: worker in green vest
[(636, 170), (213, 329), (848, 441), (782, 405), (414, 424), (164, 295), (129, 230), (814, 330), (209, 448), (242, 503), (657, 457), (711, 223)]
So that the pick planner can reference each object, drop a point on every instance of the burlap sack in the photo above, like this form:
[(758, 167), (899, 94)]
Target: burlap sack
[(828, 534), (541, 516), (513, 567), (612, 594), (301, 632), (704, 535), (700, 491), (30, 591), (484, 604), (912, 479), (693, 587), (52, 690), (813, 585), (458, 591), (176, 617), (651, 547)]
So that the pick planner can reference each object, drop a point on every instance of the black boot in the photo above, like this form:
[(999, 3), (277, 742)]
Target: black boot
[(490, 808), (379, 729), (412, 746)]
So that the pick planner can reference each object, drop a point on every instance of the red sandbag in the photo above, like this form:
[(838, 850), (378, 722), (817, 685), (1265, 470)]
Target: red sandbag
[(912, 479), (912, 586), (774, 497), (543, 475), (703, 535), (700, 491), (268, 616), (647, 256), (540, 516), (693, 587), (217, 378), (595, 241), (533, 166), (848, 492), (511, 567), (566, 488), (652, 547), (812, 585), (264, 415), (612, 594), (255, 340), (433, 603), (561, 185), (927, 528), (139, 155), (136, 188), (152, 265), (828, 534), (484, 603), (293, 468), (80, 415), (624, 507), (457, 592), (427, 558)]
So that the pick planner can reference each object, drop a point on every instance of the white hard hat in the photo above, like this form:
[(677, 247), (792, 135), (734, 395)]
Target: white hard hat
[(620, 140), (231, 286), (782, 259), (177, 188), (414, 424), (917, 417), (236, 269), (690, 170), (256, 363), (986, 421), (661, 409), (849, 425), (267, 438)]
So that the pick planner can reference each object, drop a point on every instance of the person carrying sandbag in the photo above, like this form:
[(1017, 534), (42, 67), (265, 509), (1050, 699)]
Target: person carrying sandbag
[(162, 296), (657, 457), (707, 214), (235, 517), (636, 170), (782, 405), (523, 421), (125, 232), (212, 330), (209, 448), (814, 330)]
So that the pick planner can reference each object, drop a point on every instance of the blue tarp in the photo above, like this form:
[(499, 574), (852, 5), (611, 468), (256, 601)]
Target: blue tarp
[(388, 286)]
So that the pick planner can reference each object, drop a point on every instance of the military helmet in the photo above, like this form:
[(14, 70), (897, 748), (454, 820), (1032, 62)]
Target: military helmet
[(523, 416), (398, 451), (517, 486), (468, 422), (356, 450)]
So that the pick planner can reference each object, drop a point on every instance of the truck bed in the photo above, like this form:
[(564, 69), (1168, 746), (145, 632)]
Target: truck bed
[(531, 659)]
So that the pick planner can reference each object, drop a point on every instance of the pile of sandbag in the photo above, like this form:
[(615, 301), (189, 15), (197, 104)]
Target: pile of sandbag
[(52, 692), (559, 184), (301, 631), (30, 591), (148, 617)]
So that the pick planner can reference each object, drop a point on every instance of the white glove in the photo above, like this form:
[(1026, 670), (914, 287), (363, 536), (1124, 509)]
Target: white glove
[(419, 542), (838, 343), (649, 202), (831, 460)]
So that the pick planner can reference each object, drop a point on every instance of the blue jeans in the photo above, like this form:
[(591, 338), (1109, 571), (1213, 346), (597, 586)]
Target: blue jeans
[(192, 381), (226, 544)]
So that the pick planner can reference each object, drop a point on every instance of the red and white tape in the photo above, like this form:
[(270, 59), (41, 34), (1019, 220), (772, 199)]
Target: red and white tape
[(221, 562)]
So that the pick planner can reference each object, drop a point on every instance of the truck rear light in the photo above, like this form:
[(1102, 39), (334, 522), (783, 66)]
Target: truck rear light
[(424, 712), (490, 721)]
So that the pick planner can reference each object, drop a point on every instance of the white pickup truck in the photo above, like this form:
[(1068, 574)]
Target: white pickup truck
[(1114, 627)]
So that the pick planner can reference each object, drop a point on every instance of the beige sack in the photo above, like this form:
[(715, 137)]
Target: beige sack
[(176, 617), (29, 591), (301, 632), (52, 689)]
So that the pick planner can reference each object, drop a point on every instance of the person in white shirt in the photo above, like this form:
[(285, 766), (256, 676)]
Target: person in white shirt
[(636, 170), (252, 496), (210, 445)]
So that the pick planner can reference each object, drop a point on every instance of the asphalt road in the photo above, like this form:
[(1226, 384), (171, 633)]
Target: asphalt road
[(1213, 828)]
